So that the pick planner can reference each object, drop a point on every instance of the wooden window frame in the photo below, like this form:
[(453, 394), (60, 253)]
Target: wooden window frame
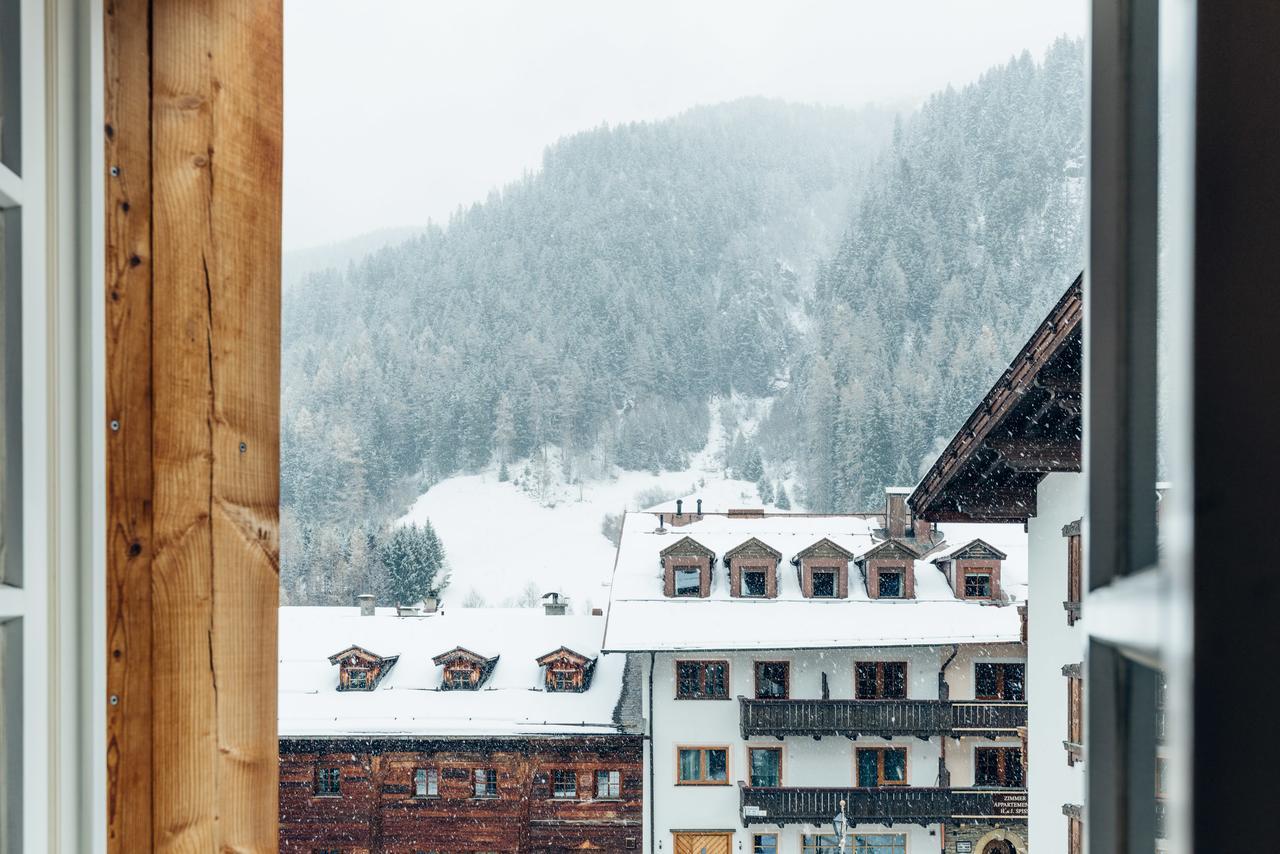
[(883, 783), (702, 663), (676, 569), (978, 572), (556, 774), (777, 748), (475, 784), (595, 781), (1075, 573), (703, 750), (1002, 752), (881, 681), (430, 777), (1074, 743), (756, 839), (786, 678), (319, 789), (1001, 682)]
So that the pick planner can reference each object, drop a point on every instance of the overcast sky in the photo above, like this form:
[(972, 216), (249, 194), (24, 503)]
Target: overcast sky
[(397, 112)]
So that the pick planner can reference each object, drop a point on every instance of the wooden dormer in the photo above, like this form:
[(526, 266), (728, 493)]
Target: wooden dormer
[(464, 670), (753, 570), (566, 671), (679, 561), (359, 669), (889, 570), (973, 570), (824, 570)]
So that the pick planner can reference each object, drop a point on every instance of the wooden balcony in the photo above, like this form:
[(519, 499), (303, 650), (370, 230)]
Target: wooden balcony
[(852, 718), (891, 804)]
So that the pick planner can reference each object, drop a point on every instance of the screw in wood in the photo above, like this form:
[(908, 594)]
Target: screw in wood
[(115, 701), (115, 425), (115, 171), (243, 447)]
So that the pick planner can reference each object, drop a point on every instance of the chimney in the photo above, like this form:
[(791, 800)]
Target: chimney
[(897, 518), (699, 508), (366, 604), (553, 606), (660, 521), (679, 506), (431, 603), (597, 612)]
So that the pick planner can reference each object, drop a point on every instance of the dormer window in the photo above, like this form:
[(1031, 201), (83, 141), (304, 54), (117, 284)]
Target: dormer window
[(566, 671), (973, 569), (753, 569), (889, 582), (463, 670), (824, 570), (889, 570), (688, 581), (686, 569), (359, 669), (824, 584)]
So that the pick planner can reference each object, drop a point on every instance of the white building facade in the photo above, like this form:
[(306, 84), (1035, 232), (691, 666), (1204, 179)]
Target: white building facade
[(772, 691)]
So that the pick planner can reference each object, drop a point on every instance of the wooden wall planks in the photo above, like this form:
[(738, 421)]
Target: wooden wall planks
[(193, 144)]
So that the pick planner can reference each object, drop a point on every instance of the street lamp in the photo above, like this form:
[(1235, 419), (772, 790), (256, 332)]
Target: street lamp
[(841, 824)]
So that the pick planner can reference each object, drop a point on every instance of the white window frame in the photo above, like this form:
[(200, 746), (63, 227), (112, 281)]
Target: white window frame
[(54, 610)]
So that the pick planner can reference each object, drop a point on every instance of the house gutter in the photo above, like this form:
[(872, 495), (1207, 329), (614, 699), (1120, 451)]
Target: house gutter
[(653, 792)]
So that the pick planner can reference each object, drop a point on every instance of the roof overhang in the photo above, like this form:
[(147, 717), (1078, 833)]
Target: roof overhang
[(1027, 426)]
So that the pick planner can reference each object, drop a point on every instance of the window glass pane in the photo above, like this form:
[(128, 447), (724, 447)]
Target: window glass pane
[(765, 843), (890, 584), (824, 584), (771, 680), (689, 679), (717, 765), (895, 679), (10, 396), (986, 679), (10, 93), (688, 581), (866, 680), (895, 765), (868, 768), (766, 766), (717, 684), (880, 843), (1014, 677), (690, 765), (753, 583)]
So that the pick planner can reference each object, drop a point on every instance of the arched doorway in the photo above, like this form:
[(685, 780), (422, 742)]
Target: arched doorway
[(999, 846)]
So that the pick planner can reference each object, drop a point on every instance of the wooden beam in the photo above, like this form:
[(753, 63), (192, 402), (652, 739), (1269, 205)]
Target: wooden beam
[(193, 253), (1037, 455)]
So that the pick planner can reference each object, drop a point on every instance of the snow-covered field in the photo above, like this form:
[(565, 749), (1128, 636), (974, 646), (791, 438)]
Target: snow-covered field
[(501, 538)]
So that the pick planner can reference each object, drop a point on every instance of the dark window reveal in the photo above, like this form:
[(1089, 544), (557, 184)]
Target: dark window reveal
[(702, 680), (996, 681), (766, 766), (890, 584), (772, 680), (753, 583), (977, 585), (328, 781), (881, 680), (824, 584), (998, 766), (882, 766)]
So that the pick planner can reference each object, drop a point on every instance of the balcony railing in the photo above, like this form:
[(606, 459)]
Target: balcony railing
[(902, 804), (852, 718)]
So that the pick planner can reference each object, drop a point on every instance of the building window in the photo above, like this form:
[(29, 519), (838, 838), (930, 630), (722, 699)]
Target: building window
[(764, 843), (997, 766), (357, 679), (703, 766), (460, 678), (1075, 561), (426, 783), (977, 584), (1075, 714), (702, 680), (564, 784), (608, 785), (881, 680), (824, 584), (486, 783), (688, 581), (997, 681), (773, 680), (766, 766), (1162, 776), (754, 583), (889, 584), (1075, 836), (882, 766), (872, 843), (329, 781)]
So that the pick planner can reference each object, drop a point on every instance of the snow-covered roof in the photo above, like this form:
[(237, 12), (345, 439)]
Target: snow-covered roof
[(641, 618), (408, 702), (951, 550)]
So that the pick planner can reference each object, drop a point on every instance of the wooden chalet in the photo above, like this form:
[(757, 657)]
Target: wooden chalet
[(359, 669)]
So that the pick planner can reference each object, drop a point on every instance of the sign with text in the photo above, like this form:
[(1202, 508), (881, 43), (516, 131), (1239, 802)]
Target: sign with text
[(1009, 803), (964, 848)]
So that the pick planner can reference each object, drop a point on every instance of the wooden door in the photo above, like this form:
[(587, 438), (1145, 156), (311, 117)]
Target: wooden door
[(703, 843)]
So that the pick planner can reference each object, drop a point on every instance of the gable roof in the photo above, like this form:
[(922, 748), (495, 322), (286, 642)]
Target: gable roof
[(976, 546), (824, 542), (891, 546), (361, 651), (1027, 426), (544, 660), (687, 545), (462, 652), (750, 543)]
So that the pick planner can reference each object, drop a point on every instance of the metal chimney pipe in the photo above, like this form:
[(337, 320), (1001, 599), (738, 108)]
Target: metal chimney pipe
[(679, 506), (699, 507)]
